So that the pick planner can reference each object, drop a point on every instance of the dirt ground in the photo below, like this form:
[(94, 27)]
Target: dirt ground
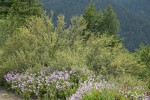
[(4, 95)]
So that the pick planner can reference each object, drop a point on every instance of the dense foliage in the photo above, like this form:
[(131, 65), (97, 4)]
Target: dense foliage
[(102, 22), (132, 14), (21, 8), (82, 61)]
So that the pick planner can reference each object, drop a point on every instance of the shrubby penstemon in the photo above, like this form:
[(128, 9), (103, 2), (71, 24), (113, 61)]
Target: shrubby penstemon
[(64, 85), (56, 85), (91, 90)]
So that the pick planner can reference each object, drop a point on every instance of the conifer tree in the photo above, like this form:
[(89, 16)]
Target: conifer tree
[(101, 22), (25, 8), (21, 8), (89, 15), (110, 22)]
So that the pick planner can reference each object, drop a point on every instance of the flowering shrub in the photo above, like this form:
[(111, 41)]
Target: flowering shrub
[(91, 90), (67, 85), (40, 85), (55, 85)]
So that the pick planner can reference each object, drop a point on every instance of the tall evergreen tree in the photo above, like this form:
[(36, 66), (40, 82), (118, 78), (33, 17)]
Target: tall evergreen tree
[(89, 15), (110, 22), (22, 8), (101, 22), (25, 8)]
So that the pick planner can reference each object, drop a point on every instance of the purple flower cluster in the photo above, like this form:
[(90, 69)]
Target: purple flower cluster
[(11, 76), (51, 83), (34, 83), (58, 75), (88, 86), (20, 81)]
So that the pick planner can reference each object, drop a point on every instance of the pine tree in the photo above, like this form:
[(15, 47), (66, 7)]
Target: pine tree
[(21, 8), (101, 22), (89, 15), (25, 8), (110, 22)]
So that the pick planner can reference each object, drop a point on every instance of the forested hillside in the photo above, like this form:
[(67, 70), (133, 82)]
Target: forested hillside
[(46, 57), (132, 14)]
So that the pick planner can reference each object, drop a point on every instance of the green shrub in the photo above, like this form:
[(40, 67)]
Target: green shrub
[(39, 43), (108, 58), (104, 95), (129, 82)]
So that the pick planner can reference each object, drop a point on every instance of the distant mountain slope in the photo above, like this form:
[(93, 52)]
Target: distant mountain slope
[(138, 7), (135, 27), (134, 16)]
